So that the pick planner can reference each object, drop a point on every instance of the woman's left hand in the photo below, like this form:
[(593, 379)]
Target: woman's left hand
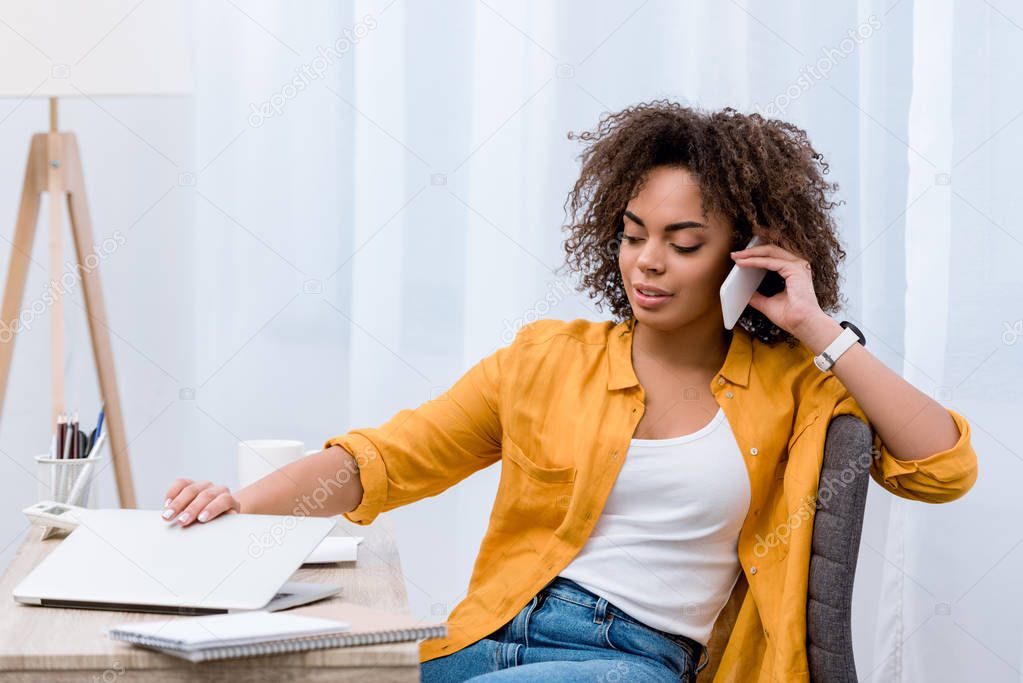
[(794, 306)]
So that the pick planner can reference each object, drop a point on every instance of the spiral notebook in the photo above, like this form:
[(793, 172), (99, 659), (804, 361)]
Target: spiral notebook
[(245, 634)]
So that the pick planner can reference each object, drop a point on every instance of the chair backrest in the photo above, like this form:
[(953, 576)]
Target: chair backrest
[(837, 525)]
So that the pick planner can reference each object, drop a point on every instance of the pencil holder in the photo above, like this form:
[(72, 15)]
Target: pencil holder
[(60, 479)]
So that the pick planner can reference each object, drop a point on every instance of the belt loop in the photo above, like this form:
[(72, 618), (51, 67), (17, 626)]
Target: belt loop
[(517, 630), (600, 611)]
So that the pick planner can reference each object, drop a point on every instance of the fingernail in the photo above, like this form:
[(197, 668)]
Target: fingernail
[(203, 516), (167, 503), (183, 517), (168, 513)]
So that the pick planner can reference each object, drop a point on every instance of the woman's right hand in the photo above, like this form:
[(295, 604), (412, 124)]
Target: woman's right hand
[(188, 501)]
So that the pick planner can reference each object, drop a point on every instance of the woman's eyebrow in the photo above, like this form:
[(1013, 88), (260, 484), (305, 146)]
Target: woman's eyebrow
[(681, 225)]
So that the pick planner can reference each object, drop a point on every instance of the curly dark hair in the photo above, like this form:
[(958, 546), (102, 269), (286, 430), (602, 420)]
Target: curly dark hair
[(751, 170)]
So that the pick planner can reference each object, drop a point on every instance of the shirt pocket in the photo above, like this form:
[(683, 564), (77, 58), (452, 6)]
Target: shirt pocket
[(797, 432), (801, 428), (542, 473), (532, 495)]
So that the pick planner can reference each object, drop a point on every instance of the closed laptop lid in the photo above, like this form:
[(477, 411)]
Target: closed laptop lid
[(125, 558)]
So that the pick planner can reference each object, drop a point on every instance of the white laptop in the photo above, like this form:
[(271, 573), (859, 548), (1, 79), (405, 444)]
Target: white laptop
[(134, 560)]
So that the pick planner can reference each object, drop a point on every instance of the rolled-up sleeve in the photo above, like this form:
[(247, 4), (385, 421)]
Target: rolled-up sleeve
[(423, 451), (938, 478)]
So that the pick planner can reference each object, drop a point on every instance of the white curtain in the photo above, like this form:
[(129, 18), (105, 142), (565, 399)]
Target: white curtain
[(949, 610), (362, 199)]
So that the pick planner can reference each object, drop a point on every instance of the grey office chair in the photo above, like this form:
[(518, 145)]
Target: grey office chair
[(837, 525)]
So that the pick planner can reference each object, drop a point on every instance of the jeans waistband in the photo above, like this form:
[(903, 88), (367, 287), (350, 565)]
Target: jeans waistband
[(568, 588)]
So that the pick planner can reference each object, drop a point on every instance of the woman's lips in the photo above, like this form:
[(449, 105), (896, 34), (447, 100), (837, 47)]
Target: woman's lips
[(648, 301)]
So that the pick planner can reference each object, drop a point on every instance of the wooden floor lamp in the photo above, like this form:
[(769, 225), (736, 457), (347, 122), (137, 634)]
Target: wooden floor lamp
[(79, 50), (55, 167)]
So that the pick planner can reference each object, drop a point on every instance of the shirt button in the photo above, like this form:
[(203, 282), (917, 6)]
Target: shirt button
[(614, 456), (721, 380), (729, 394), (753, 451), (753, 570)]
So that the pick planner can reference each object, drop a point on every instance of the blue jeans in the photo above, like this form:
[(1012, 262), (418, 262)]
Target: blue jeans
[(567, 633)]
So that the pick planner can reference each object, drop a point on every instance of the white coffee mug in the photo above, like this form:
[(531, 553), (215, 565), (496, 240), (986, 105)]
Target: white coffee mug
[(259, 457)]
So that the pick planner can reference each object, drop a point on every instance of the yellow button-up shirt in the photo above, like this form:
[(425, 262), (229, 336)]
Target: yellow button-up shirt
[(558, 408)]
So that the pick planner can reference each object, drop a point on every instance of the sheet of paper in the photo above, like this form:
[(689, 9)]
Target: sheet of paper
[(335, 549)]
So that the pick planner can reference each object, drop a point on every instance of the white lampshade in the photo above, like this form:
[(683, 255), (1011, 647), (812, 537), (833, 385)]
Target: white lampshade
[(73, 48)]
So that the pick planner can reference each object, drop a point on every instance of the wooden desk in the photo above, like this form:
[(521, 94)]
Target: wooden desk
[(54, 645)]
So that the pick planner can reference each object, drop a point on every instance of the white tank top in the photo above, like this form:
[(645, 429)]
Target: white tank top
[(664, 550)]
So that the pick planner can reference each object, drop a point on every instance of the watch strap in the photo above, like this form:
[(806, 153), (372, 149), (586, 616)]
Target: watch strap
[(830, 355), (849, 326)]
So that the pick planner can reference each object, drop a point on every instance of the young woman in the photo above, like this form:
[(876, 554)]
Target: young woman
[(658, 472)]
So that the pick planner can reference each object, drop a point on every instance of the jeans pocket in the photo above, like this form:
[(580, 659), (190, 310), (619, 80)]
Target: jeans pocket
[(561, 622), (635, 638)]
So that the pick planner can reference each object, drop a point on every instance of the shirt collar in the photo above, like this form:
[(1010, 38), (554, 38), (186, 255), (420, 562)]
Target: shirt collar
[(619, 355)]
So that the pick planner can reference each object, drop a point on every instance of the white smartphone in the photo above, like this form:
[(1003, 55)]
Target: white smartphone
[(738, 288)]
